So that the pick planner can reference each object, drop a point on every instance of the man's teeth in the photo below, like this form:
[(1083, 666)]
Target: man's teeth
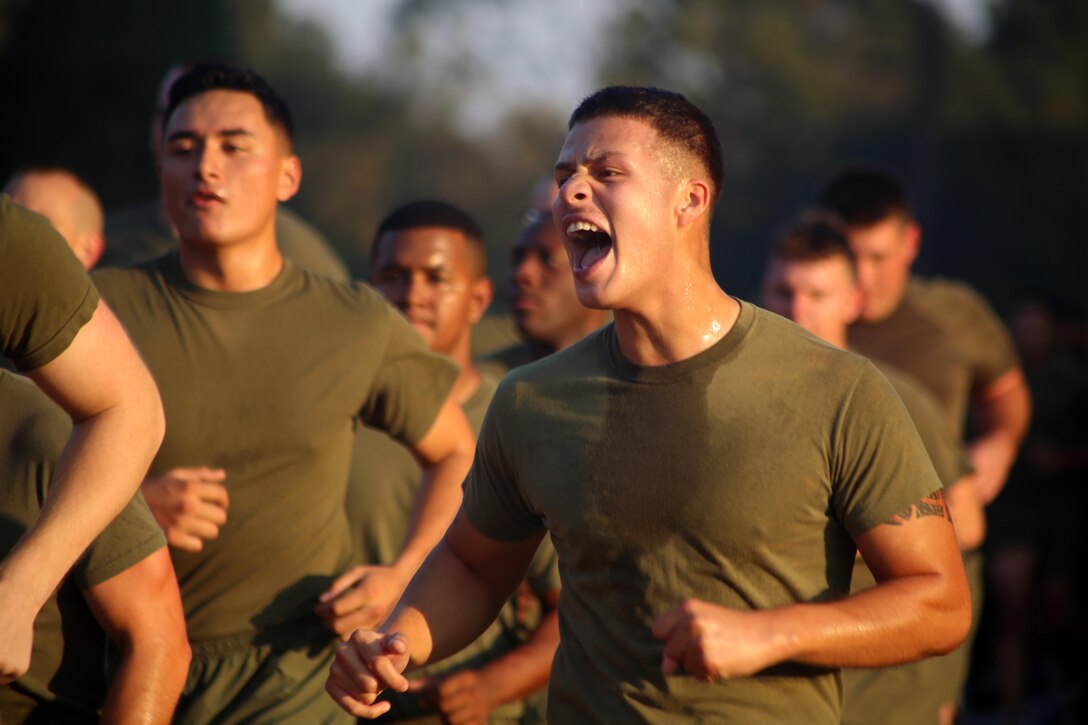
[(582, 227)]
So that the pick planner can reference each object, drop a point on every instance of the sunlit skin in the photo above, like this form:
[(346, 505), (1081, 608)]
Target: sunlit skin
[(433, 276), (619, 175), (543, 300), (224, 169), (71, 208), (820, 295), (885, 252)]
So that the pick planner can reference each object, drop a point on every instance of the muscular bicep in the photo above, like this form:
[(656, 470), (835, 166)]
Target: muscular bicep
[(141, 604), (918, 540), (98, 371)]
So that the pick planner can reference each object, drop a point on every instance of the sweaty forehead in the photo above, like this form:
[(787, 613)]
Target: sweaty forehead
[(422, 246), (607, 136), (216, 111)]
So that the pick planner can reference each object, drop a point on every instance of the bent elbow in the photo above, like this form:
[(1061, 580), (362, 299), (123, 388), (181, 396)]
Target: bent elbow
[(958, 623)]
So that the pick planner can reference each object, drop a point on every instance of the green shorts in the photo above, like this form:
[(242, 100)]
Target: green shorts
[(272, 677)]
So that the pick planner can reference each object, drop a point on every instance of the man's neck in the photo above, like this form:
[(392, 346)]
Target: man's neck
[(676, 329), (232, 268), (468, 380)]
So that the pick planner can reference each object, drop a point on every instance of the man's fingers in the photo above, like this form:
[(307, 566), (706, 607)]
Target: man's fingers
[(211, 513), (676, 649), (387, 673), (194, 526), (665, 624), (211, 474), (212, 492), (450, 686), (353, 706), (342, 583), (184, 541)]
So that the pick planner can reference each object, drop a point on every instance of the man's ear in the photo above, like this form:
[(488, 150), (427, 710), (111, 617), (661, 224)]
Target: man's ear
[(290, 177), (93, 248), (483, 291), (694, 197), (912, 238)]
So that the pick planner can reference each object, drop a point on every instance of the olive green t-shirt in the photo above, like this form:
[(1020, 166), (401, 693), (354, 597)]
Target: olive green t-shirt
[(738, 476), (499, 363), (45, 295), (383, 485), (137, 234), (67, 663), (384, 481), (945, 336), (265, 385)]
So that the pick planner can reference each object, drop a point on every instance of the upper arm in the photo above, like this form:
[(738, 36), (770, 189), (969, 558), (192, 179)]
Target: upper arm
[(917, 541), (141, 603), (101, 370), (1005, 402)]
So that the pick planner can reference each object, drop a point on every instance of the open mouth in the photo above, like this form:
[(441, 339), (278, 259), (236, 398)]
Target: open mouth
[(204, 198), (590, 244)]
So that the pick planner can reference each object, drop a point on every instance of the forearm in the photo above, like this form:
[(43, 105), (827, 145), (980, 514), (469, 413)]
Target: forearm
[(1002, 413), (525, 669), (435, 506), (445, 607), (98, 472), (147, 685), (897, 621)]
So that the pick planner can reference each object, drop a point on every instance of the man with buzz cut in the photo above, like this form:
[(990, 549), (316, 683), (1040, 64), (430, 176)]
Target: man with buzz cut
[(263, 368), (429, 261), (940, 332), (812, 280), (706, 470)]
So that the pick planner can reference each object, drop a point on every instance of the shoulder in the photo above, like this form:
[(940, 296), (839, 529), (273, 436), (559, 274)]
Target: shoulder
[(940, 298), (777, 341)]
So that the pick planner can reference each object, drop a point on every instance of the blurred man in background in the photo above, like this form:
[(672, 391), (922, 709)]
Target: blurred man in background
[(69, 204), (429, 261), (940, 332), (812, 280)]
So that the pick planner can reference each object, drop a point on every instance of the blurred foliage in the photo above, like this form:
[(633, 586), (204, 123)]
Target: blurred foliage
[(991, 135)]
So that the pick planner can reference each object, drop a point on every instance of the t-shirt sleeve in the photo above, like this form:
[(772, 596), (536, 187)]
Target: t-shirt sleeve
[(129, 539), (945, 449), (411, 383), (45, 294), (879, 465), (494, 501)]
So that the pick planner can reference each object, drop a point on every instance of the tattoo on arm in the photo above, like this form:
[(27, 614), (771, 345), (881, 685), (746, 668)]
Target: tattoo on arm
[(931, 505)]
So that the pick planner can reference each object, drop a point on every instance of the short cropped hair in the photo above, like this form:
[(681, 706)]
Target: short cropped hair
[(865, 195), (674, 117), (814, 236), (434, 213), (204, 77)]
